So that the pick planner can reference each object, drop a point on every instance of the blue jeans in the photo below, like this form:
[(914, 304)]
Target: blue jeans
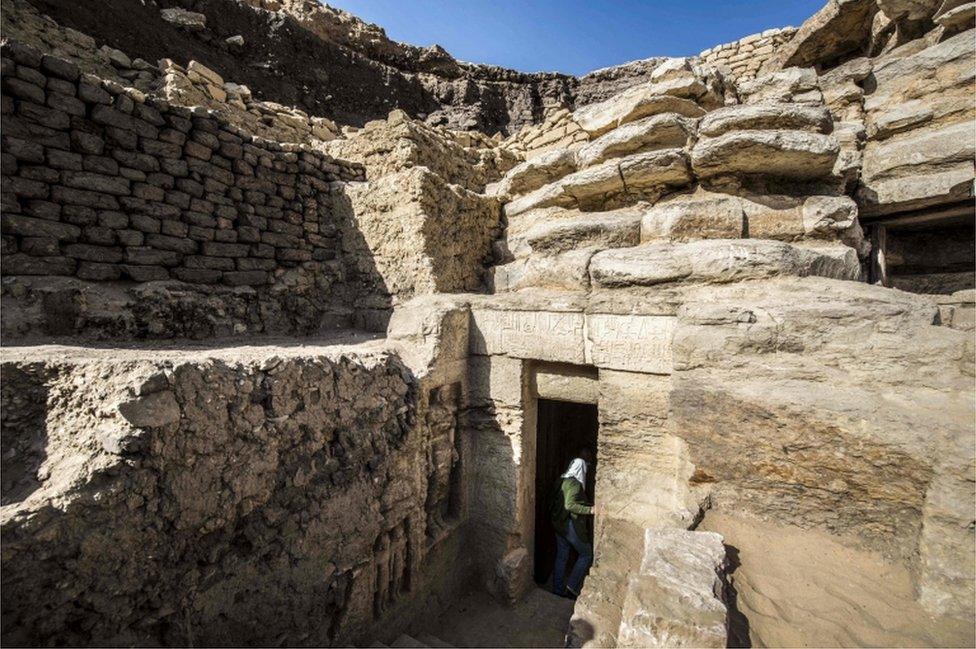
[(580, 568)]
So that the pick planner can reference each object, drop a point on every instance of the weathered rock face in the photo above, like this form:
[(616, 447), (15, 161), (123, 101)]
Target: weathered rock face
[(306, 55), (919, 149), (231, 503)]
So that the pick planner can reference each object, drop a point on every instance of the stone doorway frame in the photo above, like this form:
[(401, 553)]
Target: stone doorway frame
[(557, 382)]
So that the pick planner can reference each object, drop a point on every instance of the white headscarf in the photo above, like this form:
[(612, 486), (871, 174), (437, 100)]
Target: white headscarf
[(577, 469)]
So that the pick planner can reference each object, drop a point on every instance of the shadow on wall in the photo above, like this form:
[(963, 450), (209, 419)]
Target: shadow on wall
[(738, 622), (371, 302), (23, 430)]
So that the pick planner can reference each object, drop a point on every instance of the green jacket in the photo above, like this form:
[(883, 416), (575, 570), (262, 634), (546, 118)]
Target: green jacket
[(568, 505)]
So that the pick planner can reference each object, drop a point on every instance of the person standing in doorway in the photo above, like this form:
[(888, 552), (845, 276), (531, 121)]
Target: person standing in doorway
[(571, 516)]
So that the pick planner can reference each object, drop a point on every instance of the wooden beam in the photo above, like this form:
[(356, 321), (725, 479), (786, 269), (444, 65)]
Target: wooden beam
[(923, 217)]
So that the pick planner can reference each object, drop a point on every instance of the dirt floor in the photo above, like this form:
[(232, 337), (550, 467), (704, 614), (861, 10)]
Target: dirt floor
[(802, 588), (541, 619)]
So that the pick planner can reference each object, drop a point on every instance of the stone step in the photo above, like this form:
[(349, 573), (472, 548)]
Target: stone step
[(664, 131)]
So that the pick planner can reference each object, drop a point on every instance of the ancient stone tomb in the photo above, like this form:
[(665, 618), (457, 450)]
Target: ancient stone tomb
[(303, 373)]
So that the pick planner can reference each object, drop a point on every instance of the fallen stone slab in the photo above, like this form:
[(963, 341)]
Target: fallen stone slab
[(840, 27), (677, 599), (783, 154), (766, 116)]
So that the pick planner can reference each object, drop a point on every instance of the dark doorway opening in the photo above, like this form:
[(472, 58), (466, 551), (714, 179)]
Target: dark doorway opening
[(562, 429)]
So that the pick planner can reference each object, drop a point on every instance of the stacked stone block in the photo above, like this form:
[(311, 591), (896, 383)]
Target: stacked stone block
[(102, 183)]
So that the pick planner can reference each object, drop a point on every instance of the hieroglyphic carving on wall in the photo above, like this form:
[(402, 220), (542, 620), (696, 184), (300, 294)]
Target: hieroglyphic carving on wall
[(442, 458), (545, 335), (638, 343)]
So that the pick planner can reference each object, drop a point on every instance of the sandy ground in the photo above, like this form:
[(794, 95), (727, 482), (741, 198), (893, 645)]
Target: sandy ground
[(802, 588), (541, 619)]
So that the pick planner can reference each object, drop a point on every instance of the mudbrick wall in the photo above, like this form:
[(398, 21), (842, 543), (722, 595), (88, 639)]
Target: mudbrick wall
[(103, 184), (743, 58)]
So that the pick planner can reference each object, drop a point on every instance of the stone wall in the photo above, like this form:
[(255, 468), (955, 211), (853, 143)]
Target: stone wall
[(742, 59), (263, 495), (103, 184), (233, 504)]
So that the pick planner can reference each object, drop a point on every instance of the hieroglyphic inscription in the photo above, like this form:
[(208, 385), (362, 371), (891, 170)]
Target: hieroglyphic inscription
[(637, 343), (543, 335)]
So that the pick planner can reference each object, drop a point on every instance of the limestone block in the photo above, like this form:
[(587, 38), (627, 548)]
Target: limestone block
[(701, 215), (956, 18), (189, 19), (637, 343), (840, 27), (494, 380), (918, 168), (668, 130), (560, 270), (671, 68), (593, 182), (513, 575), (630, 105), (566, 383), (196, 71), (667, 167), (423, 235), (677, 599), (908, 10), (765, 116), (718, 261), (533, 174), (553, 194), (780, 86), (543, 335), (617, 229), (945, 70), (592, 185), (785, 154)]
